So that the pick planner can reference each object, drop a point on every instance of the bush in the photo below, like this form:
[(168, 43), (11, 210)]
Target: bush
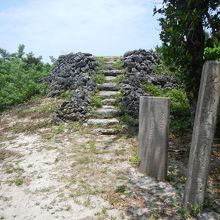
[(179, 108), (212, 53), (19, 77)]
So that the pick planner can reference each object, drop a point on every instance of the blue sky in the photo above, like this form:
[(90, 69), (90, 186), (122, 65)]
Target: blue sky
[(101, 27)]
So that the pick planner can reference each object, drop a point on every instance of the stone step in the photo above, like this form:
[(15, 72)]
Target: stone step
[(108, 107), (110, 62), (103, 122), (105, 131), (109, 66), (106, 112), (108, 94), (108, 86), (112, 72), (110, 78), (108, 101)]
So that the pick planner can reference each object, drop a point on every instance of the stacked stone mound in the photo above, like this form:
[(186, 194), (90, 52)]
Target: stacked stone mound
[(76, 108), (139, 65), (74, 72)]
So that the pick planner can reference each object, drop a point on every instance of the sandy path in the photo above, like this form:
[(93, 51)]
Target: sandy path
[(65, 172)]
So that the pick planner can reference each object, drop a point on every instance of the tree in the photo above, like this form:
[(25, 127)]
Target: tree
[(184, 24), (21, 52), (4, 55)]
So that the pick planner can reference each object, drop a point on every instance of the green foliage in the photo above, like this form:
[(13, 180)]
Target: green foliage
[(183, 25), (96, 101), (134, 159), (212, 53), (119, 64), (57, 129), (152, 89), (163, 68), (101, 61), (19, 77), (67, 94), (100, 77), (127, 119), (191, 211), (122, 190), (19, 181), (179, 105), (119, 79)]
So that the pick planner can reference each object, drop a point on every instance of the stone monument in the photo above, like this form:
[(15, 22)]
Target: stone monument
[(153, 136), (203, 133)]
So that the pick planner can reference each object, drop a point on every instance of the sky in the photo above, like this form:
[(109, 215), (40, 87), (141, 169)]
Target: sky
[(101, 27)]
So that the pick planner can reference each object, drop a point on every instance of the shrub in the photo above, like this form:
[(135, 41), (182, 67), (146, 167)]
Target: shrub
[(212, 53), (19, 77), (179, 105)]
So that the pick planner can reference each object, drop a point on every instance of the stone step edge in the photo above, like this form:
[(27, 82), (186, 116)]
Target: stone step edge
[(105, 131), (104, 122)]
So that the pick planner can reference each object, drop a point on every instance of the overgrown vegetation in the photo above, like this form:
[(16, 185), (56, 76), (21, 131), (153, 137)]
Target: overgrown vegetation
[(180, 112), (20, 76), (119, 64), (191, 212), (101, 61), (100, 77), (212, 53), (184, 25), (96, 101)]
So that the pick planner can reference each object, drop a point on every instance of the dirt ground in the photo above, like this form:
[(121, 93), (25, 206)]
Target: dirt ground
[(64, 171)]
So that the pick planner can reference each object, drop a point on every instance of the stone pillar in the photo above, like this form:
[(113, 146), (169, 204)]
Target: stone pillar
[(153, 136), (203, 133)]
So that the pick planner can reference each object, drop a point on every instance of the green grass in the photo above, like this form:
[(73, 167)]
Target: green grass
[(30, 127), (134, 159), (119, 79), (58, 129), (100, 77), (119, 64), (190, 212), (122, 190), (12, 169), (118, 98), (40, 111), (101, 61), (96, 101), (5, 154), (67, 94), (75, 126), (19, 181)]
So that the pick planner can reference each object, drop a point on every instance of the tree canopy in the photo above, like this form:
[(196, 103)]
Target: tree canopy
[(187, 26)]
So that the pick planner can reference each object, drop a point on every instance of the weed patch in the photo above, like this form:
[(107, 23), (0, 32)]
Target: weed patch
[(119, 64), (96, 101), (30, 127), (5, 154), (19, 181)]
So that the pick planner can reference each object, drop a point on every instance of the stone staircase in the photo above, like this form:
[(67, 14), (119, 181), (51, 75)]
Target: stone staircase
[(105, 118)]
